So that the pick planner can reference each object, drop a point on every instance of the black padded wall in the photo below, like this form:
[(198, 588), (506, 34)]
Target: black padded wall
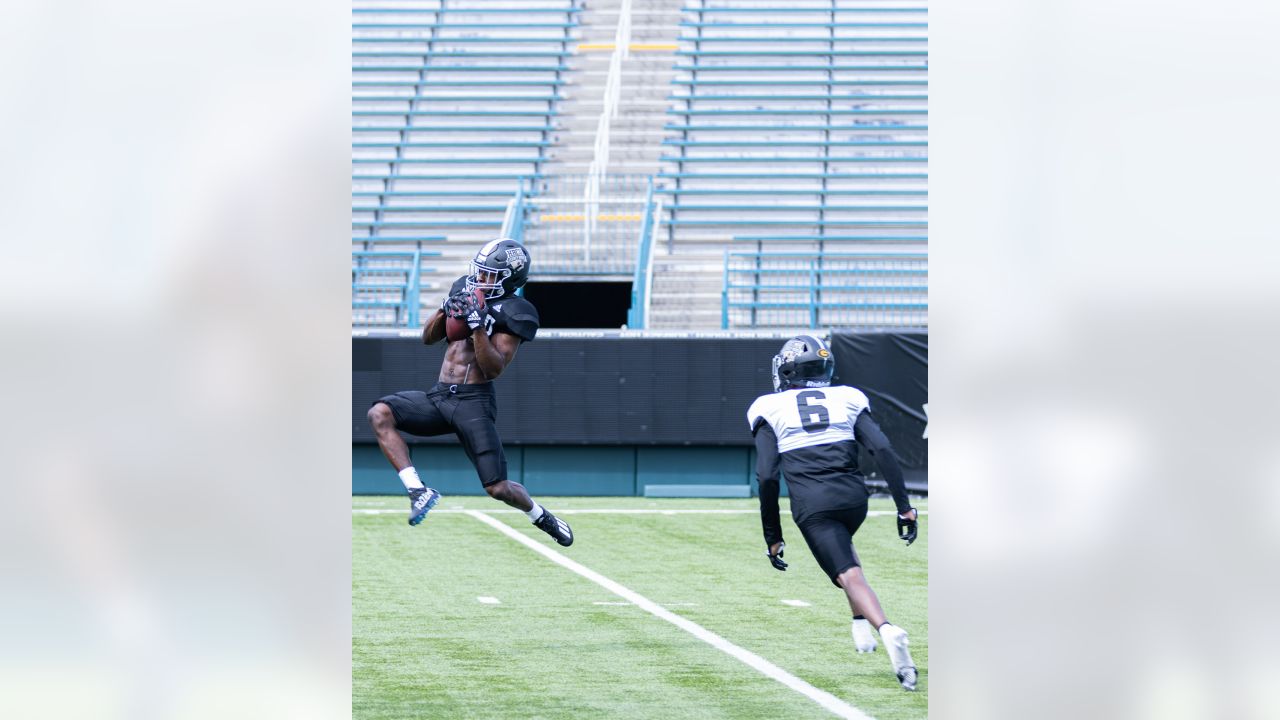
[(618, 390)]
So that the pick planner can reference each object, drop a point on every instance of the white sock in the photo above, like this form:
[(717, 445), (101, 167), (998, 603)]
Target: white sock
[(409, 477), (534, 513)]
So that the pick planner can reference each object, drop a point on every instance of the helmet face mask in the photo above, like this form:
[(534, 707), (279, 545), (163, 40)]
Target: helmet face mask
[(487, 279), (499, 269), (803, 361)]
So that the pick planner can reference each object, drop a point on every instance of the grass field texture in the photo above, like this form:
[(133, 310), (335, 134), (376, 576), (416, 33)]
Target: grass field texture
[(556, 645)]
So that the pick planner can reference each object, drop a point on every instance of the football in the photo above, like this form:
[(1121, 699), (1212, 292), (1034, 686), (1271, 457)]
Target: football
[(456, 328)]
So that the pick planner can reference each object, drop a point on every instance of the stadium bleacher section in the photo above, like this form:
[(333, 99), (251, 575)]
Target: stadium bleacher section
[(786, 142), (453, 107), (798, 131)]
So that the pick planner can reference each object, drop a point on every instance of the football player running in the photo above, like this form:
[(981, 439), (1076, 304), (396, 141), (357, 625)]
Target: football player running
[(805, 427), (463, 401)]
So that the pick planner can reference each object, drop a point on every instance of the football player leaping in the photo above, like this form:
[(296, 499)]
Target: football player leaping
[(463, 401), (805, 426)]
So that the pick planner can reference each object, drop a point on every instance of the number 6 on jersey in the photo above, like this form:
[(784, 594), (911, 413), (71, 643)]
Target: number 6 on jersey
[(813, 417)]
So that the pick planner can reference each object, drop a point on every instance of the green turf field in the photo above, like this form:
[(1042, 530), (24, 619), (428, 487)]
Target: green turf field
[(424, 646)]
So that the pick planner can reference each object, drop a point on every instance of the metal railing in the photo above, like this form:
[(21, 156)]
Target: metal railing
[(642, 280), (608, 111), (513, 221), (855, 290), (553, 217), (406, 309)]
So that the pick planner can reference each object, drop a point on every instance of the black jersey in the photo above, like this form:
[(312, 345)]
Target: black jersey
[(512, 315)]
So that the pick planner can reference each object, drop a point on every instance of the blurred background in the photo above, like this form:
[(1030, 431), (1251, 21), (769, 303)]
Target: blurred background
[(174, 309), (1102, 295), (1101, 292)]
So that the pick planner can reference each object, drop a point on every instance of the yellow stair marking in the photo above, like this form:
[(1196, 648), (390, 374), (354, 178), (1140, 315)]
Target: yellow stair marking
[(570, 217)]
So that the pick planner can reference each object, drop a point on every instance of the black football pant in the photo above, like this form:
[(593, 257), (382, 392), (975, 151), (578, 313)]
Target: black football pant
[(468, 411)]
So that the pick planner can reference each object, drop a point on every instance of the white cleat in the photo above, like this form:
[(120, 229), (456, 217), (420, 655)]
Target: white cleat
[(895, 643), (863, 637)]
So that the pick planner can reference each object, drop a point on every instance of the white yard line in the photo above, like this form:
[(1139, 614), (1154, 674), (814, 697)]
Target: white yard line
[(485, 599), (795, 603), (828, 701), (601, 511), (571, 511)]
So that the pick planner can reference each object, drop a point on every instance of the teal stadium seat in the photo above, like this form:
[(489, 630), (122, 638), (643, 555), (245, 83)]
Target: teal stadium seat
[(823, 288), (453, 110), (798, 132)]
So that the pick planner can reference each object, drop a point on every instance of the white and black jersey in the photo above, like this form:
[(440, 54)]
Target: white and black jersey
[(812, 435), (807, 417)]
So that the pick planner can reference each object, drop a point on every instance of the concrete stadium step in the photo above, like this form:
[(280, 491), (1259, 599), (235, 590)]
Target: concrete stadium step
[(692, 286), (639, 120), (593, 106), (674, 307), (636, 133), (582, 166), (686, 304)]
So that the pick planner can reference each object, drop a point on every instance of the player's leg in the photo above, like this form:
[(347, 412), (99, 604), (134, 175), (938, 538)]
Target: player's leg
[(511, 493), (478, 433), (830, 541), (413, 412), (515, 495), (829, 535), (863, 632), (383, 422), (865, 601), (862, 599)]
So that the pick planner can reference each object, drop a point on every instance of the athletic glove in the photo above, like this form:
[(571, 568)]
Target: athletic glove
[(472, 310), (907, 528), (452, 305), (776, 560)]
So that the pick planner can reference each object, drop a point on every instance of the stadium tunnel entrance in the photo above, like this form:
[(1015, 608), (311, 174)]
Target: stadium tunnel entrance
[(580, 304)]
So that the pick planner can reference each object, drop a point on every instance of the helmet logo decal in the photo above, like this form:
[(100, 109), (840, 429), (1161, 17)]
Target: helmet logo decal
[(803, 361), (515, 258)]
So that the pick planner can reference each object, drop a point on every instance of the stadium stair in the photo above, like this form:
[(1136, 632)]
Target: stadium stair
[(554, 226), (786, 143), (637, 131)]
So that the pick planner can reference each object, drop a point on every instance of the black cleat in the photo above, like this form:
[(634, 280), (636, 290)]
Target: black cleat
[(420, 503), (555, 527)]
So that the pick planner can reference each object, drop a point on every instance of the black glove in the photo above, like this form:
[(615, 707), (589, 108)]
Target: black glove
[(475, 317), (776, 560), (472, 309), (907, 528), (452, 305)]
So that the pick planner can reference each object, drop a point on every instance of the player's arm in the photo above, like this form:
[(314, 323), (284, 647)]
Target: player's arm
[(494, 353), (868, 433), (767, 460), (433, 331)]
